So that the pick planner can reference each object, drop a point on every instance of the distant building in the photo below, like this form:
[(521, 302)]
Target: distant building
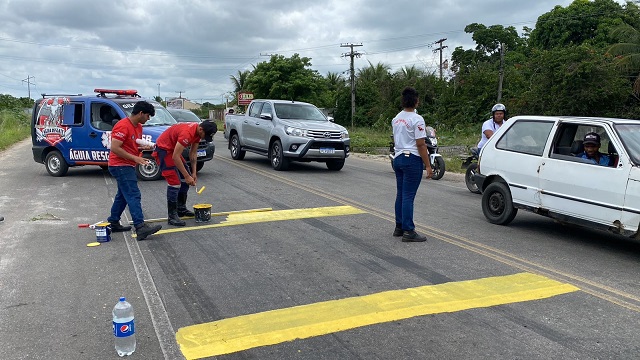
[(182, 103)]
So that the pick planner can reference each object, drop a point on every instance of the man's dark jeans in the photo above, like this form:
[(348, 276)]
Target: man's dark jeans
[(408, 176), (128, 194)]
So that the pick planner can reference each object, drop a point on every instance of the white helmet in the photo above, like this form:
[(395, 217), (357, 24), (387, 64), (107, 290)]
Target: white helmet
[(498, 107)]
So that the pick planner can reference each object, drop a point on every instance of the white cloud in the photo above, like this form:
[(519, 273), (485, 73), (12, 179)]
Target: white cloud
[(194, 46)]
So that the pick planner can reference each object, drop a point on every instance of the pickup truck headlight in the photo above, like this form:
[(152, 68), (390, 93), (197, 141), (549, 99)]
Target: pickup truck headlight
[(344, 134), (295, 131)]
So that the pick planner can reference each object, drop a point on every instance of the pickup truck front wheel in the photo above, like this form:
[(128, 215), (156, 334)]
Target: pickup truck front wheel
[(336, 165), (234, 147), (276, 156)]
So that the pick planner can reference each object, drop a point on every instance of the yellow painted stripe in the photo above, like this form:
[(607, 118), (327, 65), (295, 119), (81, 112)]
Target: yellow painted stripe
[(267, 216), (212, 214), (301, 322)]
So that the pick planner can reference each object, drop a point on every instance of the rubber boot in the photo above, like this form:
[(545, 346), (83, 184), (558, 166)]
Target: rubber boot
[(173, 218), (182, 206), (143, 230)]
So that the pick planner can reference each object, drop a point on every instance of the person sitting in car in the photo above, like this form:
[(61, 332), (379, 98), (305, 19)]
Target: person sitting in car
[(592, 152)]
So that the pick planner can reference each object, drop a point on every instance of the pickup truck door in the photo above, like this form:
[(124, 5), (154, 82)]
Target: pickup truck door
[(251, 124), (264, 126), (585, 191)]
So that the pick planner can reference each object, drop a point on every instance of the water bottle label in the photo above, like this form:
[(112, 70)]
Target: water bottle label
[(123, 329)]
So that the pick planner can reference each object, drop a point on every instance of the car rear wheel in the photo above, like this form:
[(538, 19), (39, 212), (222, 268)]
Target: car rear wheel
[(276, 156), (55, 164), (234, 148), (148, 172), (497, 204)]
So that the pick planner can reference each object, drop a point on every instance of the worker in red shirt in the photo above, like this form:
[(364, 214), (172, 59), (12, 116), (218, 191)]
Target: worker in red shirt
[(123, 158), (169, 147)]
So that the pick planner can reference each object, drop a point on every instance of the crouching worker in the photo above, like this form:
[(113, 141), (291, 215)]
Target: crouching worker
[(169, 147)]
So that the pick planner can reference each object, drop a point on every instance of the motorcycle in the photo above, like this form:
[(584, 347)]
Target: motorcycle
[(471, 163), (437, 161)]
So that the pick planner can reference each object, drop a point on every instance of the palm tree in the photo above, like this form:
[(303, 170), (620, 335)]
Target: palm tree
[(375, 74), (627, 53), (240, 82)]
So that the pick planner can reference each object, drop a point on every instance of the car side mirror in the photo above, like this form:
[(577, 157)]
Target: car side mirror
[(265, 116), (330, 118)]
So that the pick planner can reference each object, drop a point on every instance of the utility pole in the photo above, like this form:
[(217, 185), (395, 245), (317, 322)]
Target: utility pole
[(29, 83), (159, 90), (440, 49), (352, 54), (501, 72), (180, 93)]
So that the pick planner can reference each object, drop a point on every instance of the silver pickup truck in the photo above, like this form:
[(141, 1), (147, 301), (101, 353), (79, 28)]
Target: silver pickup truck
[(287, 131)]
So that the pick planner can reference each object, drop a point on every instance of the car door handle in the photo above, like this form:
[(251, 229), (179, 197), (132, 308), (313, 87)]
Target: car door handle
[(257, 123), (93, 135)]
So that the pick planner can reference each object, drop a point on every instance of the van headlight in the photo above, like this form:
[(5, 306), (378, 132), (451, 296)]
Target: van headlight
[(290, 130)]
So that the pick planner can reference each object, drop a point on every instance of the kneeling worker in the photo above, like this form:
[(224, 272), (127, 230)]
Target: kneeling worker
[(169, 147)]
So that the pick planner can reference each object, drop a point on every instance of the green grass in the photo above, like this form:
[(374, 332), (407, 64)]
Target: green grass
[(14, 127), (370, 141)]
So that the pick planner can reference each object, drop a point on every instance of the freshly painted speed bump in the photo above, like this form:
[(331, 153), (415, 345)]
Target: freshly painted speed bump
[(223, 213), (242, 218), (305, 321)]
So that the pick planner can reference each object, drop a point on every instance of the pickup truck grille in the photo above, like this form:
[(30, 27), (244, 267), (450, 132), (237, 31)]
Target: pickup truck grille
[(321, 134)]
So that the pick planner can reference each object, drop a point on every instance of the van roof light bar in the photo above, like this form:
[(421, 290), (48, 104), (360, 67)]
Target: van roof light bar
[(119, 92)]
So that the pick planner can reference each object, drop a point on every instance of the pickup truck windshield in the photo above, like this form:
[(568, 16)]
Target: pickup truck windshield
[(299, 112), (630, 135)]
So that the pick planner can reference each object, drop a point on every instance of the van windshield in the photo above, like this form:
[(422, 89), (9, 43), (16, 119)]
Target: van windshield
[(630, 135), (161, 118)]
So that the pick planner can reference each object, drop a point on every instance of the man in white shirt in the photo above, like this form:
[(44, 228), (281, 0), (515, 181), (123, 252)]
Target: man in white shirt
[(489, 127)]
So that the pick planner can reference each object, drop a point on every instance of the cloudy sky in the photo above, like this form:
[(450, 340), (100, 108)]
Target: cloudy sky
[(192, 47)]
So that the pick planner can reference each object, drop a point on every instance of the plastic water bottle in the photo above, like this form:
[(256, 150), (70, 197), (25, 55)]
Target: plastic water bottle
[(123, 328)]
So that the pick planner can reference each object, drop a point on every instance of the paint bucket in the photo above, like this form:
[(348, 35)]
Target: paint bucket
[(103, 232), (203, 212)]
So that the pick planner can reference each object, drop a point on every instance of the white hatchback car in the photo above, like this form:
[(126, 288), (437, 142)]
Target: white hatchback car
[(534, 163)]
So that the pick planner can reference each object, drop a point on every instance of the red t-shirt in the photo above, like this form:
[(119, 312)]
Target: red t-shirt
[(183, 133), (127, 133)]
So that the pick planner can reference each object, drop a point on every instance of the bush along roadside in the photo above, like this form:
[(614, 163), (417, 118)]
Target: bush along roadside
[(14, 127)]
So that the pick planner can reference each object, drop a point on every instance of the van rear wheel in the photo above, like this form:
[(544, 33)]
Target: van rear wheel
[(55, 164)]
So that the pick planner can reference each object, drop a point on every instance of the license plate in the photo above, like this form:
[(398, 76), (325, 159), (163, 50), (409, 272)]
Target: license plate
[(202, 153), (327, 151)]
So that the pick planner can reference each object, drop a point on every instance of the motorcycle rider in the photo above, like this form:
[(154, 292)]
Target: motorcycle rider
[(489, 127)]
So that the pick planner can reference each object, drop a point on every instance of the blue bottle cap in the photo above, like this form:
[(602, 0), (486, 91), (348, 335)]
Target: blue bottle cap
[(122, 299)]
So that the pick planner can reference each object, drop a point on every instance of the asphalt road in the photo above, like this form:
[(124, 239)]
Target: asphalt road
[(315, 274)]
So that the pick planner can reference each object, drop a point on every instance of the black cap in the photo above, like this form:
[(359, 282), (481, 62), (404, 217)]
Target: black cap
[(210, 128), (591, 138)]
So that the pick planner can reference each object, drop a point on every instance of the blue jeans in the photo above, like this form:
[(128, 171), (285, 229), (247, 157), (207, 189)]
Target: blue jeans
[(128, 194), (408, 176)]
